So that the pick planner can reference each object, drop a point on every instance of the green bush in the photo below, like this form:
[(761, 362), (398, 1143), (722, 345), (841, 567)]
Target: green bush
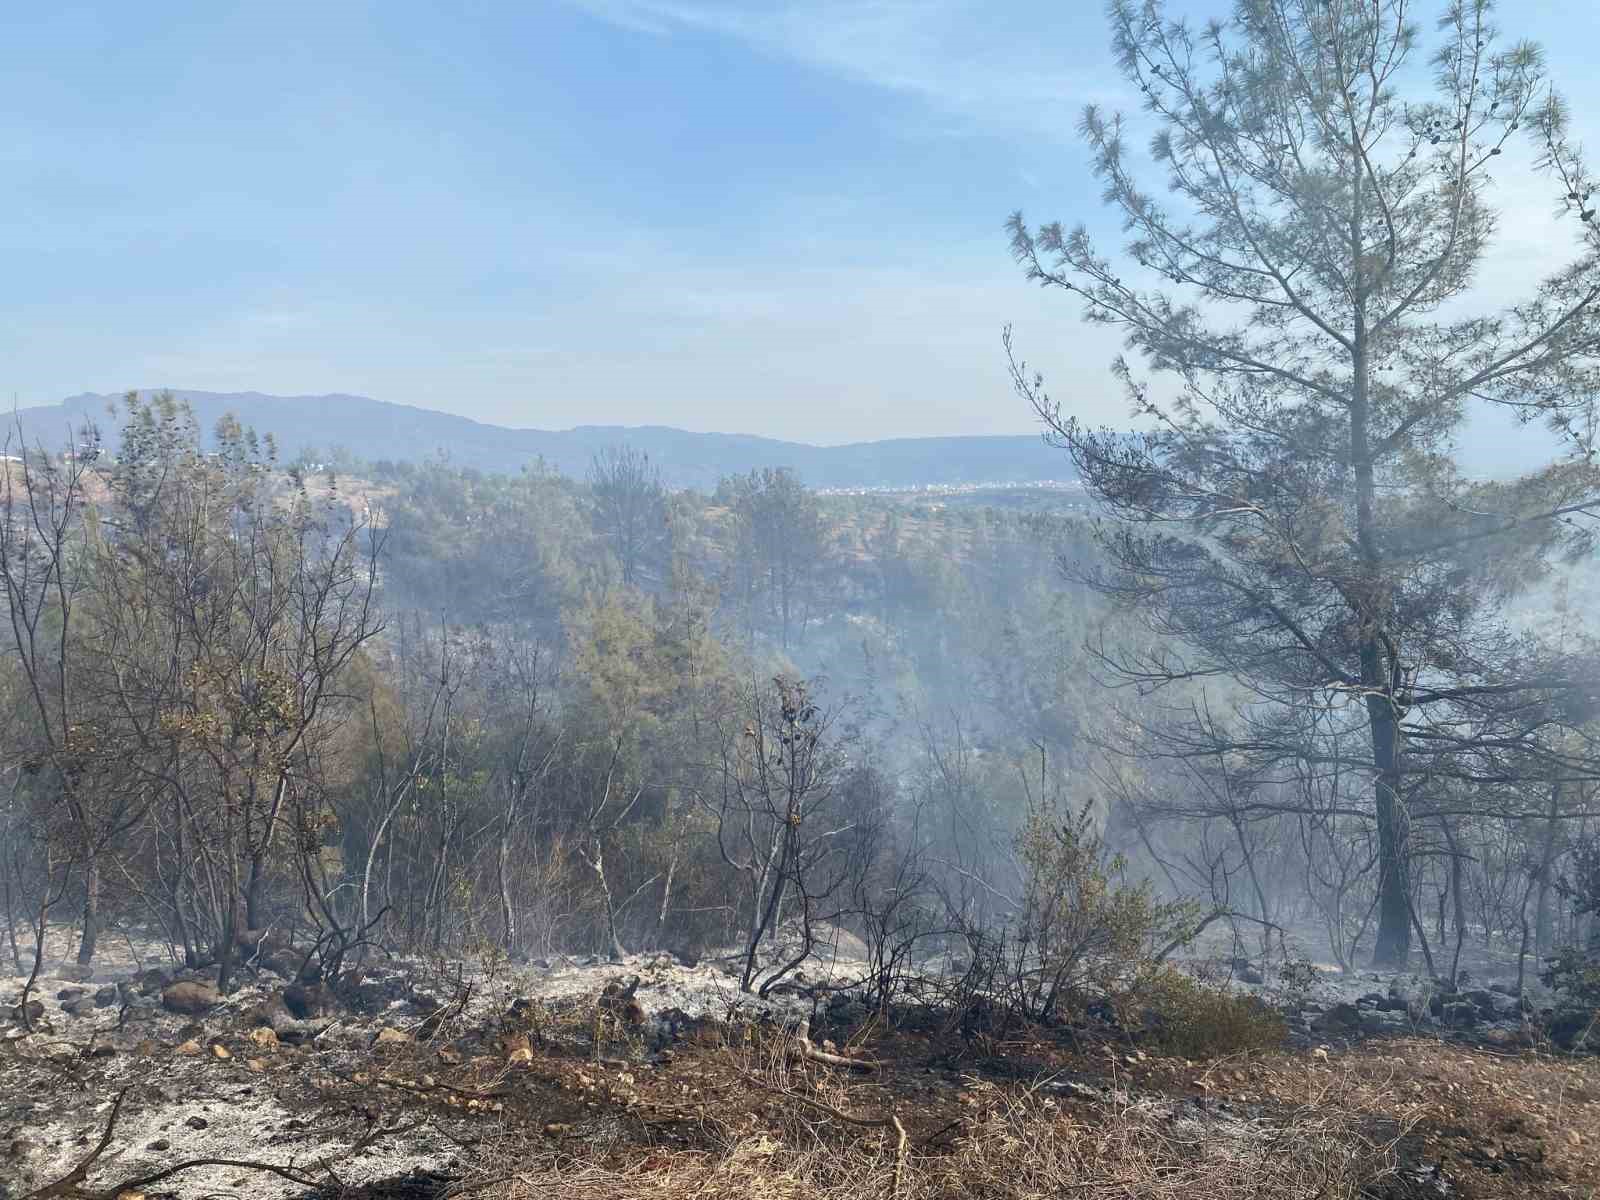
[(1083, 930), (1202, 1020)]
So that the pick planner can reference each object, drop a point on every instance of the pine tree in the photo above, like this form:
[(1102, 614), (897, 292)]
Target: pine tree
[(1294, 519)]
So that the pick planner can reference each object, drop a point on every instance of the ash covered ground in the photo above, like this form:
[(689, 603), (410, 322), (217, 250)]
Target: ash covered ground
[(412, 1074)]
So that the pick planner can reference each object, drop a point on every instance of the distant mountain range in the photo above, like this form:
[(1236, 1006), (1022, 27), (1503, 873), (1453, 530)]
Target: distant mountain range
[(372, 430)]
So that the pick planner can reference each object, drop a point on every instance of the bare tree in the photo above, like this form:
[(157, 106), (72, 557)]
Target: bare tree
[(777, 821)]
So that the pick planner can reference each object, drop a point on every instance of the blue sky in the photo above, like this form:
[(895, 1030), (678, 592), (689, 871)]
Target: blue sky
[(778, 217)]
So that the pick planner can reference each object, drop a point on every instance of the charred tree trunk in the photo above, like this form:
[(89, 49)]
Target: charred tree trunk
[(91, 907), (1392, 948), (1543, 927)]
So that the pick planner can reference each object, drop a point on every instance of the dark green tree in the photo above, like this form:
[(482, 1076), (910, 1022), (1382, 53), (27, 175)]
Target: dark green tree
[(1293, 518)]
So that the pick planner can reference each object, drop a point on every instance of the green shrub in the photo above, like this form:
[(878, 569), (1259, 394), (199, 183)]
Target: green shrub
[(1203, 1020), (1082, 929)]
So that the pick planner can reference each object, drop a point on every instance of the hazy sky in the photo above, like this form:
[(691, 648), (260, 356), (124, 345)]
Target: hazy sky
[(776, 216)]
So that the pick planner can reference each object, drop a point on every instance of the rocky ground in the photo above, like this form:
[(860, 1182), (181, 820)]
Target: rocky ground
[(422, 1076)]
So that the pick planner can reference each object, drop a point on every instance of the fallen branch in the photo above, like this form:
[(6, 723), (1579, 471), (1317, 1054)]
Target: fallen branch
[(803, 1048), (67, 1185)]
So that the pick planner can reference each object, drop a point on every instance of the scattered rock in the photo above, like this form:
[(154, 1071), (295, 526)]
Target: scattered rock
[(69, 993), (80, 1007), (107, 996), (297, 1033), (263, 1035), (152, 981), (1459, 1014), (307, 1002), (220, 1052), (35, 1011), (1341, 1018), (197, 1122), (76, 972), (190, 997), (1247, 972), (270, 1011), (159, 1145), (390, 1037), (1572, 1028), (187, 1049)]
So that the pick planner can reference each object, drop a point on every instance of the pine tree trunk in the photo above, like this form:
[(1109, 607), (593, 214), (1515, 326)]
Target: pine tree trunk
[(91, 908), (1543, 921), (1392, 949)]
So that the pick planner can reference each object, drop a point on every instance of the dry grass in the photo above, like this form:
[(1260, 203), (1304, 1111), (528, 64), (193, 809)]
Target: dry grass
[(1007, 1143), (1021, 1148)]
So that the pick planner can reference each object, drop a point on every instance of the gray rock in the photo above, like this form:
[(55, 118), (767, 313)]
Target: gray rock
[(296, 1033), (1459, 1014), (1340, 1019), (79, 1007), (35, 1010), (190, 997), (307, 1002), (107, 996), (69, 993), (152, 981), (1384, 1021)]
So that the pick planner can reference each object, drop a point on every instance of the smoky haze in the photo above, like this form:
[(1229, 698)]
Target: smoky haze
[(1161, 745)]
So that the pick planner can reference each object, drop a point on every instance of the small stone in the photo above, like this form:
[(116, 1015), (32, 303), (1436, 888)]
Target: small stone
[(1341, 1018), (256, 1064), (69, 993), (263, 1035), (34, 1011), (187, 1049), (520, 1055), (190, 997), (197, 1122), (152, 981), (390, 1037), (307, 1002), (106, 996), (159, 1145), (221, 1052)]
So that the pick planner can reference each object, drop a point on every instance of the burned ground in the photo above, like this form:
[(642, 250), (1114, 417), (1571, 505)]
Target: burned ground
[(425, 1080)]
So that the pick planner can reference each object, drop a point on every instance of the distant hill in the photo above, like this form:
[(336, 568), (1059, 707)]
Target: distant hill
[(372, 430)]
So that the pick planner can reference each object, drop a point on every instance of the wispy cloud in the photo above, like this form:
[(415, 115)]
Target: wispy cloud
[(978, 73)]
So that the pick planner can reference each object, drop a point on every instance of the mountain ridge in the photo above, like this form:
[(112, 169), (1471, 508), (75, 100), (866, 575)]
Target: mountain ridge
[(374, 430)]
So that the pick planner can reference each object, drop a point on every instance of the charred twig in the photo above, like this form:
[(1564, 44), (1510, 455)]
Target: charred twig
[(803, 1048), (891, 1121), (67, 1185)]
